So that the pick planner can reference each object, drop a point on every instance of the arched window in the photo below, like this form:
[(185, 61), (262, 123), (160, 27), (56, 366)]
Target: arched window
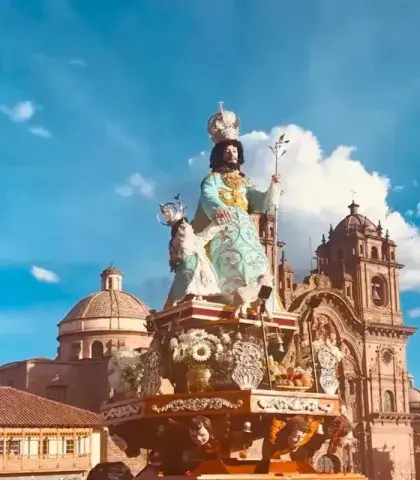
[(392, 256), (109, 286), (361, 249), (97, 349), (288, 283), (389, 405), (374, 253), (379, 291)]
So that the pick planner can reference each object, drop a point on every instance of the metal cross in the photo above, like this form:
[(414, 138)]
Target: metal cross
[(221, 106), (278, 149), (353, 193)]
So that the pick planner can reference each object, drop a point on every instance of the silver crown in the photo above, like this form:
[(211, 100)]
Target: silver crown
[(223, 125), (172, 212)]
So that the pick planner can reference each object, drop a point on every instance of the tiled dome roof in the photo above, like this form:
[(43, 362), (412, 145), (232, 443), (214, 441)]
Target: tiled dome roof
[(109, 303), (355, 223), (413, 395)]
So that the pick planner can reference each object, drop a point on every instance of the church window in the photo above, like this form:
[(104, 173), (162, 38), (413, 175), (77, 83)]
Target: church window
[(393, 256), (75, 351), (97, 349), (352, 386), (288, 283), (109, 282), (57, 393), (348, 291), (378, 289), (374, 253), (389, 405), (361, 249)]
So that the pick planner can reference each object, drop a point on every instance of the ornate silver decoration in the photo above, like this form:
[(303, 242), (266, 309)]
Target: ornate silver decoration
[(123, 411), (151, 380), (247, 373), (197, 405), (287, 405), (328, 362)]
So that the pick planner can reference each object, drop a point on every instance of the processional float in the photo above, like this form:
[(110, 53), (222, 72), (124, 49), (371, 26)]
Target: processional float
[(242, 402)]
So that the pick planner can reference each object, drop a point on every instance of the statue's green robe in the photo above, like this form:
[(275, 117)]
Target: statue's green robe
[(236, 251)]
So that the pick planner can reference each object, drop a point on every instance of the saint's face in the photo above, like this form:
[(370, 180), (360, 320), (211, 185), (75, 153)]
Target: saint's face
[(230, 155), (295, 437), (200, 436)]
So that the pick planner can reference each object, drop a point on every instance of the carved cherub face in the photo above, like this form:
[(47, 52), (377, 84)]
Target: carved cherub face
[(230, 155), (295, 437), (200, 435)]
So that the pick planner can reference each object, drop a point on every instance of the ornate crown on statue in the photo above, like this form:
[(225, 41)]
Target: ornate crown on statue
[(223, 125), (172, 212)]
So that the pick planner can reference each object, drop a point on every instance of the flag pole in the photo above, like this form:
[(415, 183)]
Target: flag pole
[(278, 150)]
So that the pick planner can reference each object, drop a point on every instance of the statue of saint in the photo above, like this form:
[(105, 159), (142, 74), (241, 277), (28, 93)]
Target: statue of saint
[(235, 252)]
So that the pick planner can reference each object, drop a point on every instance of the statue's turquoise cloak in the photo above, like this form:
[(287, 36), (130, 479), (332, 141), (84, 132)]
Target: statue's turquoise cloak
[(236, 251)]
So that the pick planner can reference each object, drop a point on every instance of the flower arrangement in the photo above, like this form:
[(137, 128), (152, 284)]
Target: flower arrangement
[(125, 370), (197, 346)]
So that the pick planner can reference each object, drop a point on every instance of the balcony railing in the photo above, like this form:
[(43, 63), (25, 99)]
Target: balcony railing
[(52, 463)]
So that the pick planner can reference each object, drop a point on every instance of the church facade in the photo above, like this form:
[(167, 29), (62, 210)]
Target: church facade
[(352, 298)]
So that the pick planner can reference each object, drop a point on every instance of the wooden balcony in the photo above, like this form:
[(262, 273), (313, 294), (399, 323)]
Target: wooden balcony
[(56, 464)]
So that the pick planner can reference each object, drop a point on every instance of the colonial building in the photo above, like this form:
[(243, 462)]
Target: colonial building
[(97, 326), (42, 438)]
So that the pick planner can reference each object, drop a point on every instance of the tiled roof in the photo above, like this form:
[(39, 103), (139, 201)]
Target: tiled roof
[(111, 303), (22, 409)]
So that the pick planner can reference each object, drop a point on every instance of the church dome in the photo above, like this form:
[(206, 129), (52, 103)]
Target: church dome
[(109, 304), (414, 396), (104, 322), (355, 223)]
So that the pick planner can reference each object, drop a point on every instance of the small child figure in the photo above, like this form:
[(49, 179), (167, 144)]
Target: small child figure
[(195, 276)]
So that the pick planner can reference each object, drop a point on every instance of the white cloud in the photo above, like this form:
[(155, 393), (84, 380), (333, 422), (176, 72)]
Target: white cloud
[(414, 313), (398, 188), (78, 62), (40, 131), (21, 112), (137, 184), (409, 213), (318, 190), (193, 160), (43, 275)]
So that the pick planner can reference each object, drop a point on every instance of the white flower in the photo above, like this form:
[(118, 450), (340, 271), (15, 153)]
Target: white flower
[(225, 337), (201, 352), (213, 338), (173, 343), (178, 354), (219, 348)]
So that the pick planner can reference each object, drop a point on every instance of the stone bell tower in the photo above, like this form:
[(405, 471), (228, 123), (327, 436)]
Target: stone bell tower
[(362, 262)]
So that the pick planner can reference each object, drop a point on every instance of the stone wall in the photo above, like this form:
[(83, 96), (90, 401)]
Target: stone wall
[(113, 454)]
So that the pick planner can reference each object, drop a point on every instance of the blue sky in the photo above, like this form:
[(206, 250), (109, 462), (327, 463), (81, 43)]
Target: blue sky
[(94, 92)]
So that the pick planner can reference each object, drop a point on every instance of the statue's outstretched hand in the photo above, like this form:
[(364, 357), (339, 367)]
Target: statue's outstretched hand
[(222, 215), (276, 178)]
